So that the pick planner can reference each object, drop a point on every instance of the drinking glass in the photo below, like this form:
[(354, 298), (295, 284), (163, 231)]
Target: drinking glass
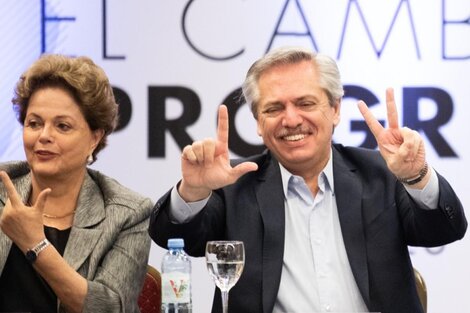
[(225, 261)]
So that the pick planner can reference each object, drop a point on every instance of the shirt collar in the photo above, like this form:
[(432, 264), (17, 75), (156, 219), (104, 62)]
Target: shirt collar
[(327, 173)]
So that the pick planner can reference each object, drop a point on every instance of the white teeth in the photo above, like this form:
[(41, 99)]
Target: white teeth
[(294, 137)]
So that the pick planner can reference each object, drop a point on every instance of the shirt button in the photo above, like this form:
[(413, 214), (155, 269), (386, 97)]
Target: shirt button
[(328, 308), (318, 241)]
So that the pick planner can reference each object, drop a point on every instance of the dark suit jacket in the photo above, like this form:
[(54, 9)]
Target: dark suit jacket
[(377, 216), (108, 242)]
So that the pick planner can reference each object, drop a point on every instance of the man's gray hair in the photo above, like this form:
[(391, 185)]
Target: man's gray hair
[(330, 80)]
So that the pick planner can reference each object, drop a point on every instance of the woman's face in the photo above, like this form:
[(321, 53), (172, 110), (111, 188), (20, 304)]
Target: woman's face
[(57, 139)]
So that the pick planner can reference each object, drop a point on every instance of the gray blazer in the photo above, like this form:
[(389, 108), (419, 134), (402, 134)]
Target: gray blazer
[(108, 242)]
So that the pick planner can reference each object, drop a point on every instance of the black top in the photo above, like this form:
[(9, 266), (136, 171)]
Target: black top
[(22, 289)]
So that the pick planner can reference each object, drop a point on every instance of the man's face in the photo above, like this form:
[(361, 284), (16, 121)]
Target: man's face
[(295, 118)]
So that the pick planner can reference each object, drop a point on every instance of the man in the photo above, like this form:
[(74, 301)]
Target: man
[(325, 227)]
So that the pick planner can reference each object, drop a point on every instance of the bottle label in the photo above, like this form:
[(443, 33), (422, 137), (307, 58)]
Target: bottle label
[(176, 287)]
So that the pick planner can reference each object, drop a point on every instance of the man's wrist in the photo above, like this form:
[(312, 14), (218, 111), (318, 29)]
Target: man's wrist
[(191, 194), (415, 179)]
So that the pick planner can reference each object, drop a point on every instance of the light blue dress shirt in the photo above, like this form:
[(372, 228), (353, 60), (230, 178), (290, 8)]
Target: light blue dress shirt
[(316, 275)]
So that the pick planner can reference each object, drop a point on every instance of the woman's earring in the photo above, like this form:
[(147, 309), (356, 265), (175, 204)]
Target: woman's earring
[(89, 160)]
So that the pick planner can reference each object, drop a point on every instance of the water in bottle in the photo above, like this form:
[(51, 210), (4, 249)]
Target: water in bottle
[(176, 279)]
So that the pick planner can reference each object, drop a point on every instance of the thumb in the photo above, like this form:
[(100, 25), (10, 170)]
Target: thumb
[(41, 200), (243, 168)]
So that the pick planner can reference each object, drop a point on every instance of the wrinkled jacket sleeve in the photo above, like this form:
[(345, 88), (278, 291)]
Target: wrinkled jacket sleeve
[(119, 278)]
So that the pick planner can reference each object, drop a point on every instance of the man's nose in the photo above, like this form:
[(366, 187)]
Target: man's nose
[(292, 117)]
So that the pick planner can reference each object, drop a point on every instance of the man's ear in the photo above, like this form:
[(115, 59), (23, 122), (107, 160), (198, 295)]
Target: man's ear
[(337, 113)]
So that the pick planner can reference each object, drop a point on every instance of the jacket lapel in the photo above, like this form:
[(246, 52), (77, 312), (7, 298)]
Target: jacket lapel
[(270, 198), (5, 245), (5, 242), (348, 189), (83, 237)]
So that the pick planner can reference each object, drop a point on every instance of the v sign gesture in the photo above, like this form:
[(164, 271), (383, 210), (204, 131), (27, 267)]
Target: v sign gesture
[(402, 148), (206, 165)]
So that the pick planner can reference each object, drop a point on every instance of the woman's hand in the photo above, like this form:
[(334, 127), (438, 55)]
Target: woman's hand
[(21, 223)]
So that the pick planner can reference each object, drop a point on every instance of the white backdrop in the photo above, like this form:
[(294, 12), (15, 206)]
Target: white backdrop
[(202, 49)]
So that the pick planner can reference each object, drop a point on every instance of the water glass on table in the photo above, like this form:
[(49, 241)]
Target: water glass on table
[(225, 261)]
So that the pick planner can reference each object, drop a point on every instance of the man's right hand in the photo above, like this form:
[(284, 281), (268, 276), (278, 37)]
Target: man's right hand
[(206, 164)]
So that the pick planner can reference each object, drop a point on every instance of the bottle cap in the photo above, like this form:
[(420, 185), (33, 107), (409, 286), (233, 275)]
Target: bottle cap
[(175, 243)]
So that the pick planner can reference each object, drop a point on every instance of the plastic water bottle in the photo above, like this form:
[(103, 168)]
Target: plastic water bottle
[(176, 279)]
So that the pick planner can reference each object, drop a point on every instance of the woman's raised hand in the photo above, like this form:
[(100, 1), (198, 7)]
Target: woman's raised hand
[(21, 223)]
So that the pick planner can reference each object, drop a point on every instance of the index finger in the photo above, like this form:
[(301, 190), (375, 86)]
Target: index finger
[(222, 126), (11, 190), (374, 125), (392, 114)]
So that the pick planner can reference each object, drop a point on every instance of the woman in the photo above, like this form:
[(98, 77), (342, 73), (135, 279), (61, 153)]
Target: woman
[(71, 238)]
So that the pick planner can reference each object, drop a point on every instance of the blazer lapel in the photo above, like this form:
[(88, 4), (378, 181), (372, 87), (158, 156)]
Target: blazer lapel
[(348, 189), (270, 198), (5, 246), (5, 242), (83, 237)]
